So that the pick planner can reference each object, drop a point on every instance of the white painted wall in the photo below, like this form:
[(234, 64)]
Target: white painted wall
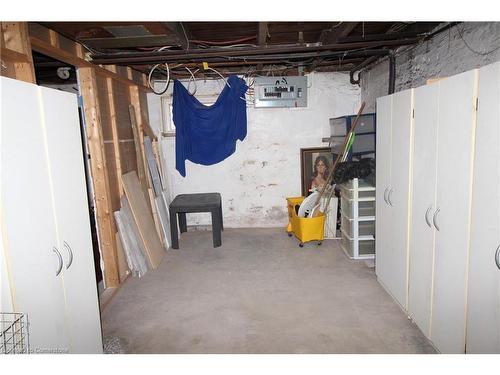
[(444, 55), (265, 169)]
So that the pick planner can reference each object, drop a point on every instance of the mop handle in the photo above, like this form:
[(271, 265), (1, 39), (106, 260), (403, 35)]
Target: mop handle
[(341, 155)]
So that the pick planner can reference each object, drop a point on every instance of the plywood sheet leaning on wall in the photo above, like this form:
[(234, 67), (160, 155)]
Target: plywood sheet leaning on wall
[(163, 214), (153, 167), (143, 218), (138, 150), (132, 243), (123, 269), (154, 211)]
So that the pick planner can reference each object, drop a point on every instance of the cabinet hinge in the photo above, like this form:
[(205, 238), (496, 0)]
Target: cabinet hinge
[(477, 104), (413, 113)]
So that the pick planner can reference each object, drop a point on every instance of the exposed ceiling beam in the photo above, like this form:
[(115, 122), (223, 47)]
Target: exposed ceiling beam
[(348, 28), (158, 57), (134, 41), (277, 57), (379, 37), (180, 30), (340, 31), (263, 32), (262, 38), (50, 64)]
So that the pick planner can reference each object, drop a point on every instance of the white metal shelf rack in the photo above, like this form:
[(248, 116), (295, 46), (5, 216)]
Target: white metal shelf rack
[(358, 219)]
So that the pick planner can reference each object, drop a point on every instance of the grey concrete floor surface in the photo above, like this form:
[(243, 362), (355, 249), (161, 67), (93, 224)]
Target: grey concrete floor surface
[(259, 293)]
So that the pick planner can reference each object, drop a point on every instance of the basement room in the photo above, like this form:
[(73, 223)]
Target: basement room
[(243, 186)]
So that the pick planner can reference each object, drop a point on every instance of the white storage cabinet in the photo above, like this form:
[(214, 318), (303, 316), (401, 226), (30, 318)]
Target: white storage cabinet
[(45, 224), (445, 115), (483, 312), (394, 155)]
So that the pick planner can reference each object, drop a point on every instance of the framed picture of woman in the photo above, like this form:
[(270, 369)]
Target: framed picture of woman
[(315, 166)]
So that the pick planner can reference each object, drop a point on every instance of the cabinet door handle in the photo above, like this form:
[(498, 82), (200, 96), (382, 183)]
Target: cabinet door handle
[(60, 260), (385, 193), (389, 197), (434, 218), (427, 216), (70, 252), (497, 257)]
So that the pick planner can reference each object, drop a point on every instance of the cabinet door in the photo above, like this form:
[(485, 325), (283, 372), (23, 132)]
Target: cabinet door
[(64, 149), (421, 260), (457, 101), (28, 224), (383, 220), (399, 193), (483, 320)]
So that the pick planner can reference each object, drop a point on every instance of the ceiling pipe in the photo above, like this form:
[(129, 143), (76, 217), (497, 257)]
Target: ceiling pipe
[(392, 73), (380, 37), (364, 64), (441, 29), (162, 56), (278, 58)]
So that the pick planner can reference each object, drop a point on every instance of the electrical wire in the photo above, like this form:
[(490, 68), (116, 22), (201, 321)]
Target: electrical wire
[(168, 80), (220, 75), (223, 43), (185, 34), (473, 50), (192, 79), (239, 45), (155, 49)]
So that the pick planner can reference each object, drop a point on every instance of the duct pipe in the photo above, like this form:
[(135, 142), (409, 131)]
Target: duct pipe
[(361, 66), (392, 72)]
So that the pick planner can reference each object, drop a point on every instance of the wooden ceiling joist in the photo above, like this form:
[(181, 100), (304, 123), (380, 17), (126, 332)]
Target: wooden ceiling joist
[(159, 57), (133, 42), (339, 31), (257, 43), (180, 31)]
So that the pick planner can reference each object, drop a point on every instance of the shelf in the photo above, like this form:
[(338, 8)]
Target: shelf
[(360, 238), (360, 218), (358, 231)]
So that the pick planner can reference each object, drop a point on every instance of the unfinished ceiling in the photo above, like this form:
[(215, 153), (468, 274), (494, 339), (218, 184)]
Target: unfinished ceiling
[(279, 48)]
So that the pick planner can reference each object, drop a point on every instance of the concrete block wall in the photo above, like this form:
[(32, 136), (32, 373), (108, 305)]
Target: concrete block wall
[(265, 169), (463, 47)]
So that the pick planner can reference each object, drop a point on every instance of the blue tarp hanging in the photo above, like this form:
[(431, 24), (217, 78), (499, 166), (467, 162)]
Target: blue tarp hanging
[(207, 134)]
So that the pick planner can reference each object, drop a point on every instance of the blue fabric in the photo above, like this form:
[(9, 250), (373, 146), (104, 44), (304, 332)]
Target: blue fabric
[(207, 134)]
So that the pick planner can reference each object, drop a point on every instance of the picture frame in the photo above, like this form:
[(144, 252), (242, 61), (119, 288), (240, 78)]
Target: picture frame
[(308, 172)]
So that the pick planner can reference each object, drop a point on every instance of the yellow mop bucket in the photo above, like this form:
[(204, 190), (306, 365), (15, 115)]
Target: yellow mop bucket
[(304, 228)]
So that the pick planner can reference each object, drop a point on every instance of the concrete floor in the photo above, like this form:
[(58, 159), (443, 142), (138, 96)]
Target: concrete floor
[(258, 293)]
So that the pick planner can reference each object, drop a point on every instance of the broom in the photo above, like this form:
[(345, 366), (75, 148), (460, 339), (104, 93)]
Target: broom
[(340, 157)]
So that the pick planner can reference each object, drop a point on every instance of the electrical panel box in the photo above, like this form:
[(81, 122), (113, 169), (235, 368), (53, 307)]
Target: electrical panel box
[(279, 92)]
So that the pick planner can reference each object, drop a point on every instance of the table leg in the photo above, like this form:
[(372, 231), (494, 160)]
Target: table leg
[(182, 222), (216, 228), (220, 214), (173, 229)]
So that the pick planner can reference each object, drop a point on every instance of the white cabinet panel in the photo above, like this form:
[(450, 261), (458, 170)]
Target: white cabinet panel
[(423, 205), (383, 220), (29, 235), (394, 128), (60, 112), (457, 100), (399, 193), (483, 320)]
